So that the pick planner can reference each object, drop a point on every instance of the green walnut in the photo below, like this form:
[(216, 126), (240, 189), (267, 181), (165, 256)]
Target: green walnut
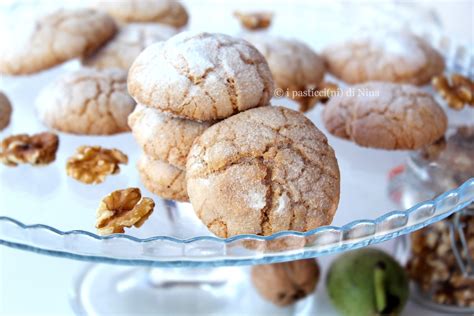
[(367, 282)]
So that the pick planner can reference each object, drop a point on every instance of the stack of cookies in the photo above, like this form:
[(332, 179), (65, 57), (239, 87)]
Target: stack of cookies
[(182, 86)]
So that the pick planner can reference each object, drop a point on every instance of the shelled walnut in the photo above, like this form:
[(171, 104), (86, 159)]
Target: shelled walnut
[(456, 90), (38, 149), (285, 283), (321, 94), (92, 164), (433, 265), (123, 208), (254, 20)]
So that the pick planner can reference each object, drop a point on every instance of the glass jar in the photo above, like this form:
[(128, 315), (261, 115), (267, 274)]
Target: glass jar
[(439, 258)]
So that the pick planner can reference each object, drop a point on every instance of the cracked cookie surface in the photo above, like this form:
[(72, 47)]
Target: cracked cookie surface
[(390, 56), (5, 111), (169, 12), (130, 41), (164, 137), (294, 65), (163, 179), (56, 38), (201, 76), (263, 171), (88, 101), (397, 116)]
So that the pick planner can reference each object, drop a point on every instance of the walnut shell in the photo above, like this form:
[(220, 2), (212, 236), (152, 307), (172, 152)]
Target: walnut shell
[(285, 283)]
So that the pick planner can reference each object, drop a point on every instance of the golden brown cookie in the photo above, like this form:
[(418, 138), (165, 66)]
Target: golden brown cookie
[(163, 179), (294, 65), (5, 111), (263, 171), (164, 137), (385, 115), (201, 76), (55, 38), (131, 39), (169, 12), (88, 101), (388, 56)]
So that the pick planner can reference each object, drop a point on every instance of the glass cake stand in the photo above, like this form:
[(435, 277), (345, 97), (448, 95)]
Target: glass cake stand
[(44, 211)]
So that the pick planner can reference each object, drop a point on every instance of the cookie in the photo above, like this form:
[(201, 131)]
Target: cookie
[(131, 39), (5, 111), (386, 115), (388, 56), (263, 171), (164, 137), (88, 101), (163, 179), (169, 12), (201, 76), (56, 38), (294, 65)]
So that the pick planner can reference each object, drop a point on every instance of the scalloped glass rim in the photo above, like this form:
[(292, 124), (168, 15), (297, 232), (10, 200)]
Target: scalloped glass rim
[(360, 233)]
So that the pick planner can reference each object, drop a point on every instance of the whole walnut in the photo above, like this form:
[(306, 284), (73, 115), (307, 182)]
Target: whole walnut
[(285, 283)]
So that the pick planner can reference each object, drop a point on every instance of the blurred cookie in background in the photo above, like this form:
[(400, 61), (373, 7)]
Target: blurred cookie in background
[(54, 39), (5, 111), (87, 102), (121, 51), (393, 56), (152, 11)]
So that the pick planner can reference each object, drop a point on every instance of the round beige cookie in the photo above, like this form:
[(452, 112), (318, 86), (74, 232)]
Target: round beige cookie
[(55, 38), (163, 179), (131, 39), (164, 137), (263, 171), (169, 12), (88, 101), (5, 111), (201, 76), (386, 115), (389, 56), (294, 65)]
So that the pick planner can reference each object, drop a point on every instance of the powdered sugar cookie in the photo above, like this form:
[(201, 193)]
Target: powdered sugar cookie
[(5, 111), (158, 11), (164, 137), (389, 56), (163, 179), (201, 76), (131, 39), (55, 38), (294, 65), (388, 116), (263, 171), (87, 101)]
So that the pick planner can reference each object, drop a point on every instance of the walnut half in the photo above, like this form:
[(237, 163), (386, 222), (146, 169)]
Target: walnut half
[(321, 94), (456, 91), (92, 164), (254, 20), (38, 149), (123, 208)]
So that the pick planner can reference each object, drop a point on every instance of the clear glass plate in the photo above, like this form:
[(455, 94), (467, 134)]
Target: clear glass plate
[(43, 210)]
